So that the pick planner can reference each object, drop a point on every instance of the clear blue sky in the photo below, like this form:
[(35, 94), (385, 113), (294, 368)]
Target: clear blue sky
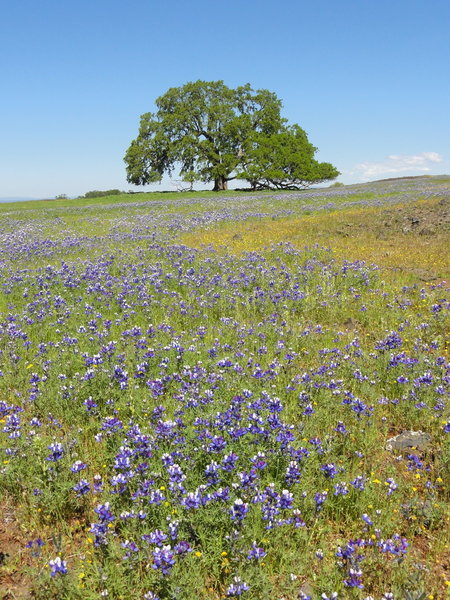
[(368, 80)]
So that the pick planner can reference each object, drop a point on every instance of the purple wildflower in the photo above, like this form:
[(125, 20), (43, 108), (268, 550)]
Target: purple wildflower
[(57, 452), (237, 587), (238, 510), (82, 487), (57, 566), (256, 552), (163, 559)]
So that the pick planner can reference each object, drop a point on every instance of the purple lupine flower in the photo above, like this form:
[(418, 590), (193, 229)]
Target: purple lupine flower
[(256, 552), (292, 472), (317, 443), (57, 566), (98, 484), (396, 545), (82, 487), (297, 519), (229, 462), (104, 513), (211, 472), (340, 489), (182, 547), (122, 461), (12, 426), (238, 510), (119, 482), (390, 342), (155, 537), (340, 428), (163, 559), (57, 452), (192, 500), (259, 461), (392, 486), (359, 482), (320, 498), (156, 497), (221, 494), (248, 479), (285, 499), (176, 475), (365, 517), (112, 424), (329, 470), (131, 548), (354, 579), (173, 529), (217, 444), (237, 587), (100, 531), (156, 387), (78, 466)]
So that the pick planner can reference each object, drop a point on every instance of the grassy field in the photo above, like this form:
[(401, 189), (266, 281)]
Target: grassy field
[(199, 393)]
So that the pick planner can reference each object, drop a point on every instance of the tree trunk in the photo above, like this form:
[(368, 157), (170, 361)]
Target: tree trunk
[(220, 184)]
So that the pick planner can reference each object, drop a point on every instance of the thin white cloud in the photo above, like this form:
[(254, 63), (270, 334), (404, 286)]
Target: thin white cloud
[(399, 163)]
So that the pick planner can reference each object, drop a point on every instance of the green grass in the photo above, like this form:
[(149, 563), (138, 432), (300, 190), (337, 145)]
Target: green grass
[(214, 310)]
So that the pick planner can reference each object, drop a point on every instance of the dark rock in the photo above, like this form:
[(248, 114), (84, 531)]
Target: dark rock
[(427, 231), (422, 508), (350, 324), (403, 442), (424, 512)]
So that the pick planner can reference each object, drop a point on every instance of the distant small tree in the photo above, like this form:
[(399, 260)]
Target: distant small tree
[(337, 184), (61, 197), (100, 194)]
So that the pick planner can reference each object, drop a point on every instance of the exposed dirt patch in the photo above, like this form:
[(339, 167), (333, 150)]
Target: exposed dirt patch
[(424, 218), (14, 583)]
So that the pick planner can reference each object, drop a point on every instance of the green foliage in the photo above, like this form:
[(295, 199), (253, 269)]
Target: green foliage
[(337, 184), (216, 134), (284, 160), (99, 194)]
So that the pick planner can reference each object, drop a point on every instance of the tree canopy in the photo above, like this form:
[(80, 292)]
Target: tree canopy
[(212, 133)]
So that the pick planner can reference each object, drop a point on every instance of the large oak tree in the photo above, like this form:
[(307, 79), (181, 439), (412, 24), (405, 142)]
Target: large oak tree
[(212, 133)]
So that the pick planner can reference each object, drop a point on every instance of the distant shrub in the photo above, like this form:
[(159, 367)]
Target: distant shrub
[(337, 184), (100, 194)]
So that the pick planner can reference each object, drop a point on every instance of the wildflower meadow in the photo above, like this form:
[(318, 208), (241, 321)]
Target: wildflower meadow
[(240, 395)]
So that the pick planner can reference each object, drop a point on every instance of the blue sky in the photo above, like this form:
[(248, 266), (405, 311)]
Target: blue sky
[(368, 81)]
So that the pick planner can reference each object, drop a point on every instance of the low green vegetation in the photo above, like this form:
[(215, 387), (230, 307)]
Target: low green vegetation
[(101, 194), (233, 395)]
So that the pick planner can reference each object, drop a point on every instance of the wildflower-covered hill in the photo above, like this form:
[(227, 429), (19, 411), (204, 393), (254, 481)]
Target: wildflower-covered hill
[(222, 396)]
